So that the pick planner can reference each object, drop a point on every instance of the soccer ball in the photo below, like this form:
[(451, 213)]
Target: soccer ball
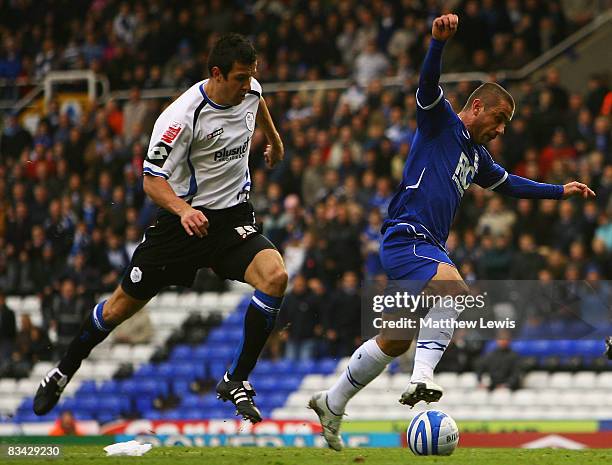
[(432, 433)]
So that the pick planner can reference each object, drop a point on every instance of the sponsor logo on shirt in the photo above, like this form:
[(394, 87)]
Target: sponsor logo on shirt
[(464, 172), (215, 133), (232, 153), (172, 132), (158, 154)]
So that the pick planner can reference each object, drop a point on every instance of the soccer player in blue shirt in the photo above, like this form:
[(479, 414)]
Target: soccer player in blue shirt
[(447, 155)]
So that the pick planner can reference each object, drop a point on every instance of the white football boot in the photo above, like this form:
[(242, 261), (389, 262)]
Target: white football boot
[(329, 420)]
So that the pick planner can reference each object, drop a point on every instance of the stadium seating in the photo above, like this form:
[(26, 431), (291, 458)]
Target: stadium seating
[(284, 386)]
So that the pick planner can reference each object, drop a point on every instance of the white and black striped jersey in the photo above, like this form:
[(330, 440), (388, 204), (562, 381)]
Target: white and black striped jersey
[(202, 148)]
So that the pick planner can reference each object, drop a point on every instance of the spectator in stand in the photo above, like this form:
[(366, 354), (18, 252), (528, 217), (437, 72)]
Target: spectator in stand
[(66, 425), (342, 328), (68, 310), (65, 181), (8, 328), (503, 366), (300, 321)]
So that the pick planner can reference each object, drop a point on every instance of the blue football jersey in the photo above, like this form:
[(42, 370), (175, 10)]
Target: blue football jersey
[(442, 163)]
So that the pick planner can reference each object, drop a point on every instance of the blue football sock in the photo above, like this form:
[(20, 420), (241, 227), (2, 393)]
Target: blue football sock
[(258, 324), (92, 332)]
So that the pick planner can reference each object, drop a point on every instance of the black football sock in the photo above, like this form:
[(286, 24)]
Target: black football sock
[(92, 332), (258, 324)]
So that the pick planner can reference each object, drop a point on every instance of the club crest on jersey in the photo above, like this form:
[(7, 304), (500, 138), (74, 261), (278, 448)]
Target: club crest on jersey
[(136, 274), (217, 132), (464, 172), (250, 121), (172, 132)]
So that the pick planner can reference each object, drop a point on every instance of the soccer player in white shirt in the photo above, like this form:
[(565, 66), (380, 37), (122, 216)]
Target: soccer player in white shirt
[(196, 171)]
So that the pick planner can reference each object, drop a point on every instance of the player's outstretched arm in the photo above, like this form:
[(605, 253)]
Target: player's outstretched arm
[(193, 221), (275, 150), (519, 187)]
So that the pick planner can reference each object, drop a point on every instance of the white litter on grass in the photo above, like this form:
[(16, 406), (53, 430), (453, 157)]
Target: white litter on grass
[(130, 448)]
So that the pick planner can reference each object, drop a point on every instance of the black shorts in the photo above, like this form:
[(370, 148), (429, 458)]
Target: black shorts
[(169, 256)]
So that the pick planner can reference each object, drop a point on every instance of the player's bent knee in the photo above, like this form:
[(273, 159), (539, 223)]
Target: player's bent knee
[(276, 281), (392, 347), (121, 306)]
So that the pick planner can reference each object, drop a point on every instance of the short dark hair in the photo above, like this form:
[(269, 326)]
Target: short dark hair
[(231, 48), (491, 94)]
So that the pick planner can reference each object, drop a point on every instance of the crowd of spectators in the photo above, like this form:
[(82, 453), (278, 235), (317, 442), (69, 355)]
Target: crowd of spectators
[(72, 208), (164, 44)]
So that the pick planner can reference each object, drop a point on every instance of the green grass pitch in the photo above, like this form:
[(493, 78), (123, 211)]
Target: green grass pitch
[(93, 455)]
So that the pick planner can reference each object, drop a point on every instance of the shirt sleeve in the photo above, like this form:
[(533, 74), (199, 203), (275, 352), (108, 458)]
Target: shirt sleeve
[(169, 145), (434, 113), (433, 118), (256, 88), (489, 174)]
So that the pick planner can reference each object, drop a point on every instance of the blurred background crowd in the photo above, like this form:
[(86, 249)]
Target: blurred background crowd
[(72, 208)]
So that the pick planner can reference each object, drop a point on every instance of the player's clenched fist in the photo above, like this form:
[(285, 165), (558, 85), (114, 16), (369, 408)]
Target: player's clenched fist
[(194, 222), (444, 27)]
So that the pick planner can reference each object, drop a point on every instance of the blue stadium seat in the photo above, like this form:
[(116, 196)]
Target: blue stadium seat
[(217, 369), (151, 414), (284, 366), (181, 352), (189, 370), (272, 401), (326, 366), (87, 403), (288, 383), (172, 415), (305, 367), (28, 417), (105, 417), (111, 404), (84, 415), (565, 348), (180, 387), (109, 387), (165, 370), (217, 335), (224, 352), (66, 403), (265, 367), (26, 404), (211, 401), (590, 347), (147, 370), (243, 304), (87, 387), (191, 401), (192, 414), (234, 319), (234, 334), (202, 353), (265, 383), (217, 413), (144, 403), (139, 386)]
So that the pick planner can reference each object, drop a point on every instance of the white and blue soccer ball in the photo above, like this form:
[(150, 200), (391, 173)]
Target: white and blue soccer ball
[(432, 433)]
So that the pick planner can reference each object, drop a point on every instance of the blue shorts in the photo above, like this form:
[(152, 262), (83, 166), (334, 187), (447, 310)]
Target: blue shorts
[(408, 258)]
